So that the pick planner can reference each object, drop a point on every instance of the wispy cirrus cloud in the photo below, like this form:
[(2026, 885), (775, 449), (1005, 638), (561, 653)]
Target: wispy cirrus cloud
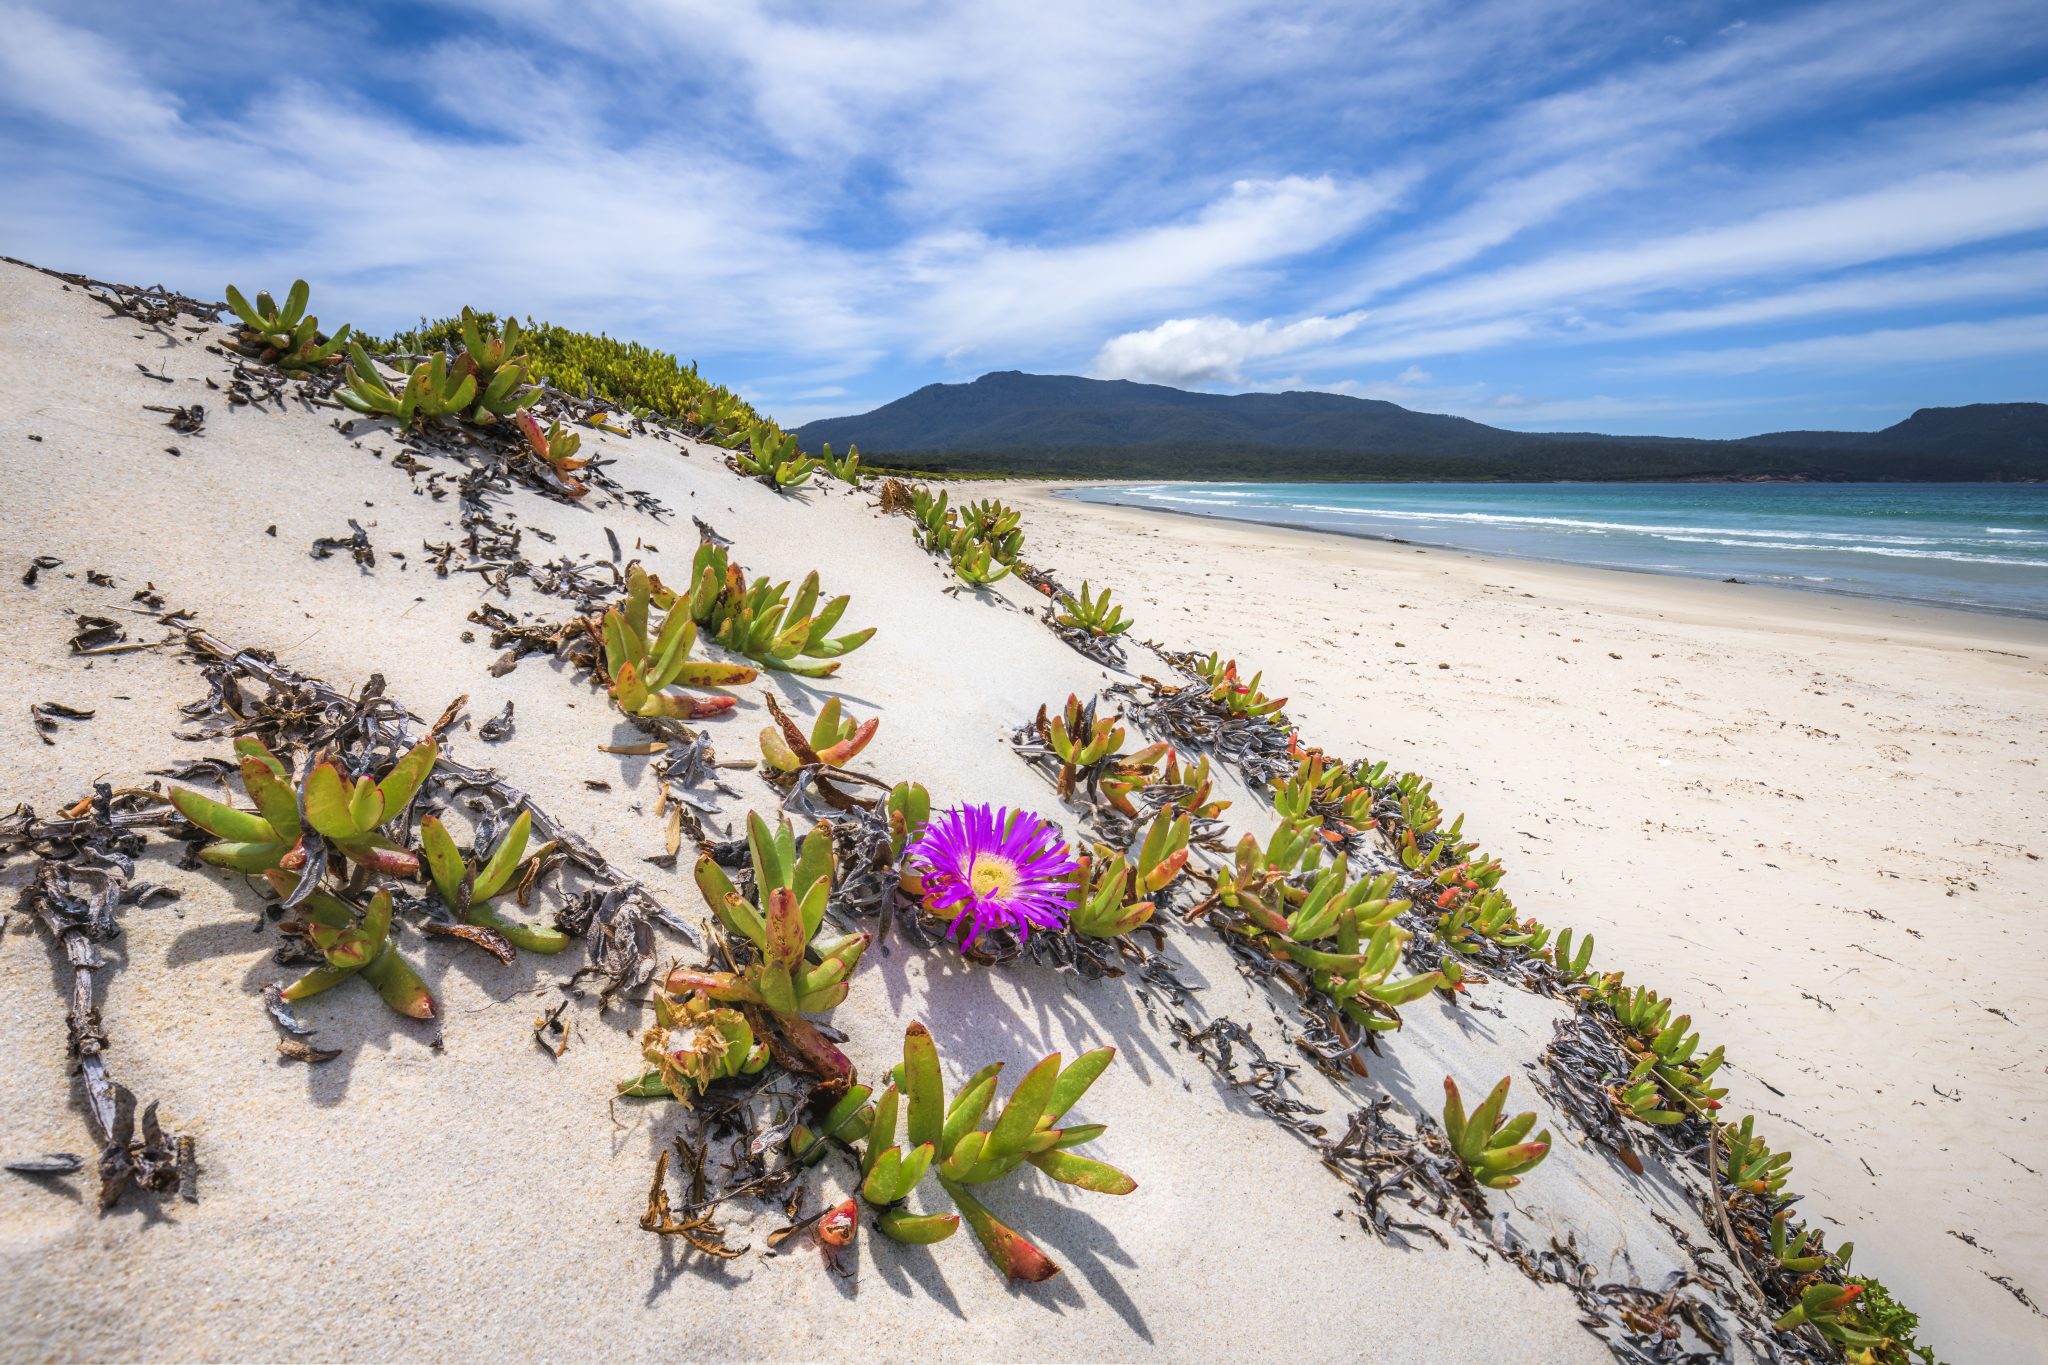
[(830, 207)]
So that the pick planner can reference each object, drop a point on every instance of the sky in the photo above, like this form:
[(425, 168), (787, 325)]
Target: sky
[(1683, 218)]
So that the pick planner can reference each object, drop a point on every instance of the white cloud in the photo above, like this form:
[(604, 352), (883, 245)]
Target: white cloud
[(970, 292), (1940, 343), (1196, 351)]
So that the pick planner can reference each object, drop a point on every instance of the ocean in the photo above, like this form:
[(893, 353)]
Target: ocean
[(1978, 546)]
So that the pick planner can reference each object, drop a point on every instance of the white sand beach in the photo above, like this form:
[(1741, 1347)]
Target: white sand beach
[(1813, 822), (1816, 821)]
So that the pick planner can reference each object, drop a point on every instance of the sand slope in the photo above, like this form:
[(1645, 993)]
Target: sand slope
[(447, 1188), (480, 1198)]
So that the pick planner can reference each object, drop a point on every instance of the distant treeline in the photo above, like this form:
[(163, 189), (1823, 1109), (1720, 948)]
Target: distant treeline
[(1564, 460)]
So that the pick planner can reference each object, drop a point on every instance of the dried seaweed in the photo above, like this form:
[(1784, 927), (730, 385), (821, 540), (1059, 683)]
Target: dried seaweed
[(187, 420), (45, 715), (155, 306), (84, 873), (1218, 1042), (1255, 748), (498, 728), (369, 731), (356, 544)]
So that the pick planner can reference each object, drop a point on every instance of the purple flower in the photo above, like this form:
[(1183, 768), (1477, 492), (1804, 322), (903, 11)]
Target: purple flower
[(994, 868)]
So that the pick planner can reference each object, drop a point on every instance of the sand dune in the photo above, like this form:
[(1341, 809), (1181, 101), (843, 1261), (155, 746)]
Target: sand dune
[(1707, 804)]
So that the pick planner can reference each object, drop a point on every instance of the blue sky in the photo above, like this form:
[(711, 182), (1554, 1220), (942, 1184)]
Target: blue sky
[(1684, 218)]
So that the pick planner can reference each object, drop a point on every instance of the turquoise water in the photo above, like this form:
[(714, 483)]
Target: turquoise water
[(1980, 546)]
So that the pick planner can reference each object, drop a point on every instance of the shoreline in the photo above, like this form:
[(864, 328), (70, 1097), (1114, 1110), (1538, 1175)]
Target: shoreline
[(1058, 491)]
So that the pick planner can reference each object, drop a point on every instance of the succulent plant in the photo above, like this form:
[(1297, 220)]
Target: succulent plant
[(644, 667), (934, 518), (1345, 933), (1083, 741), (644, 381), (692, 1044), (792, 885), (556, 449), (947, 1139), (1664, 1047), (845, 1122), (351, 814), (909, 807), (1796, 1255), (501, 369), (1189, 790), (354, 945), (1113, 892), (249, 841), (1325, 792), (348, 814), (1752, 1166), (1240, 698), (845, 468), (762, 623), (1494, 1153), (1572, 966), (975, 561), (1641, 1099), (284, 337), (1092, 614), (467, 888), (992, 524), (834, 740), (1830, 1310), (772, 457), (430, 391)]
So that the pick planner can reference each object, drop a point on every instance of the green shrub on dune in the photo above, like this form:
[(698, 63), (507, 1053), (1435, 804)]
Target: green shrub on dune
[(646, 382)]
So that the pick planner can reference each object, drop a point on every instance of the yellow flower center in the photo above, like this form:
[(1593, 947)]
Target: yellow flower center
[(991, 874)]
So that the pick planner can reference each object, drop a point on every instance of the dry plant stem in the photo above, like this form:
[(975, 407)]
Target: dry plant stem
[(574, 846), (75, 898), (88, 1038)]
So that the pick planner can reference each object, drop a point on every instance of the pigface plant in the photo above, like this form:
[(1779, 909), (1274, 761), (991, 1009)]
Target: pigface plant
[(844, 468), (430, 392), (693, 1044), (556, 449), (353, 944), (467, 888), (974, 561), (1493, 1153), (250, 841), (834, 741), (644, 667), (772, 457), (948, 1139), (1092, 614), (352, 815), (793, 972), (502, 370), (763, 623), (285, 337)]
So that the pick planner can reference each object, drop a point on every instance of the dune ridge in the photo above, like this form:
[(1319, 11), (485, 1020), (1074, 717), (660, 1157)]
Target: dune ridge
[(221, 527)]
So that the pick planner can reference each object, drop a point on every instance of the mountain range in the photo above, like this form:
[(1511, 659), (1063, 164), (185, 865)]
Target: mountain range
[(1069, 427)]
